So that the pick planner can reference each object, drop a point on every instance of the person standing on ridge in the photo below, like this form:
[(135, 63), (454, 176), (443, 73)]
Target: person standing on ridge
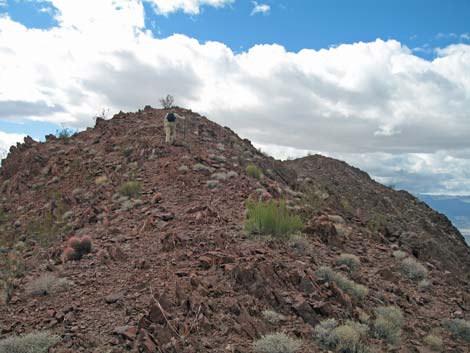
[(169, 123)]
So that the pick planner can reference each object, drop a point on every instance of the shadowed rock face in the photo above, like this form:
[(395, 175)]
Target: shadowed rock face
[(396, 216), (171, 268)]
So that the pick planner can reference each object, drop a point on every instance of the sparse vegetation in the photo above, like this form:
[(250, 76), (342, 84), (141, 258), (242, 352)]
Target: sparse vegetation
[(352, 262), (254, 172), (323, 334), (167, 102), (272, 317), (376, 223), (460, 328), (346, 338), (348, 286), (424, 285), (399, 254), (130, 189), (11, 267), (64, 133), (48, 227), (38, 342), (271, 219), (388, 323), (413, 269), (101, 180), (299, 243), (47, 284), (277, 343), (434, 343)]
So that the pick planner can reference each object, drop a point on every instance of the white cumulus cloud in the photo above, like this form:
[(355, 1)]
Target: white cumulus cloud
[(260, 8), (365, 102), (7, 140), (193, 7)]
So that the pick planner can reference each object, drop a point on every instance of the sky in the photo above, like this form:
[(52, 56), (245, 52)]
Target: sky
[(383, 85)]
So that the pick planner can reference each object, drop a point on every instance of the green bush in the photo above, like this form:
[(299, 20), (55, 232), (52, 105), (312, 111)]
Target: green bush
[(38, 342), (350, 261), (276, 343), (130, 189), (350, 287), (388, 323), (271, 219), (413, 269), (434, 343), (253, 171), (460, 328)]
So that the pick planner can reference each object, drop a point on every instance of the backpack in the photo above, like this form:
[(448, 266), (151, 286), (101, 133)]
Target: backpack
[(171, 117)]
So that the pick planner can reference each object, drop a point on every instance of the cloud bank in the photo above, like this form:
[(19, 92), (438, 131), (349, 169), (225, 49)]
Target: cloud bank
[(374, 104)]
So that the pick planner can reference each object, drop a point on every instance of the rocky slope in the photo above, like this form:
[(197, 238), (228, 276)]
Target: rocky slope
[(396, 216), (172, 270)]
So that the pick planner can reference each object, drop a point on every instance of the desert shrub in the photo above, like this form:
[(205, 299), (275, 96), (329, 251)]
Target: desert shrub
[(460, 328), (130, 189), (47, 284), (399, 254), (434, 343), (64, 133), (271, 219), (350, 261), (350, 287), (271, 316), (167, 102), (253, 171), (346, 338), (276, 343), (101, 180), (388, 323), (11, 268), (413, 269), (424, 285), (38, 342), (299, 243), (50, 226), (324, 335)]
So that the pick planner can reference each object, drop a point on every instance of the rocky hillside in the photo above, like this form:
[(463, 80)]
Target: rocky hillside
[(397, 217), (172, 269)]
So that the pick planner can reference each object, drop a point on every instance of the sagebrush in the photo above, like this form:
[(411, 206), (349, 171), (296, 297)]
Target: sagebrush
[(277, 343), (350, 287), (388, 323), (413, 269), (460, 328), (352, 262), (47, 284), (36, 342)]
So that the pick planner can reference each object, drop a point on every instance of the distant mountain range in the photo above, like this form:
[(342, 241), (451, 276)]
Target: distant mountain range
[(456, 208)]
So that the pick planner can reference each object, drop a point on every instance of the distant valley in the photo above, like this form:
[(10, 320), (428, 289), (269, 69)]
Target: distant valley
[(456, 208)]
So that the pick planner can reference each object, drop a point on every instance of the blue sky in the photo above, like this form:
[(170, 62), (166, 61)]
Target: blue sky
[(297, 24), (383, 85)]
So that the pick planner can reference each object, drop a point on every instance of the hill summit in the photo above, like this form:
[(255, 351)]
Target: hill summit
[(113, 241)]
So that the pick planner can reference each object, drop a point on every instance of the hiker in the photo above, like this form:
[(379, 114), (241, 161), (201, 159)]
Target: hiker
[(170, 126)]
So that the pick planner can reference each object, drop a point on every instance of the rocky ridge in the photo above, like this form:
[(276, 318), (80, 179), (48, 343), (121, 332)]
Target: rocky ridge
[(172, 270)]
